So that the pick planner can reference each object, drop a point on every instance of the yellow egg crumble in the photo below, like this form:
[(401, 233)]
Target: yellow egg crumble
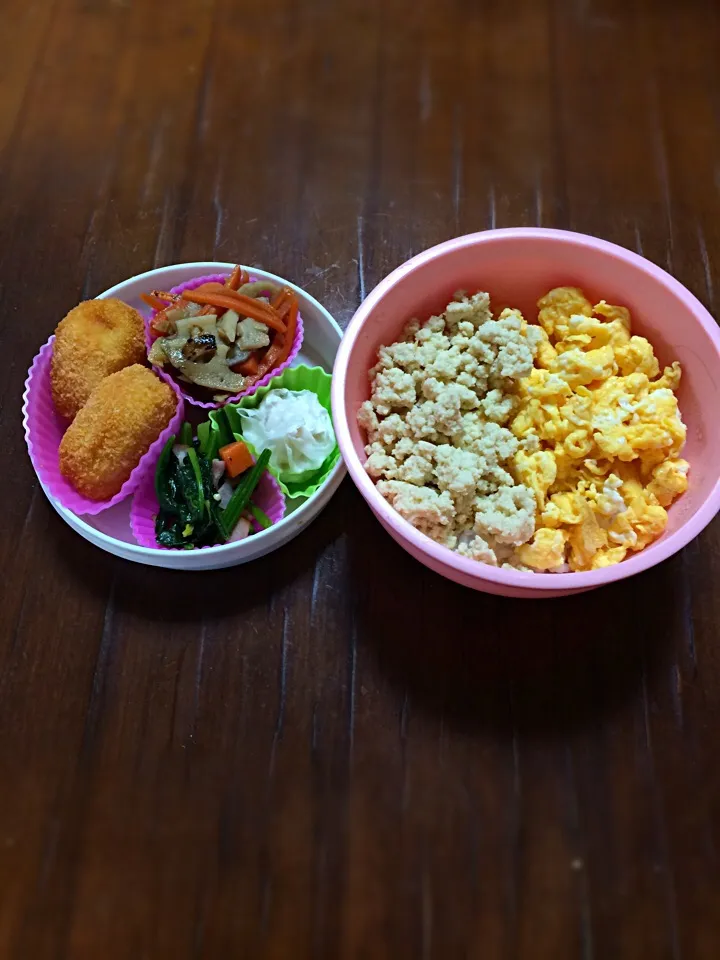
[(610, 436)]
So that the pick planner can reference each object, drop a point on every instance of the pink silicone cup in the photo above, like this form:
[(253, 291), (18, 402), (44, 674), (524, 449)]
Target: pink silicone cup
[(44, 430), (166, 375), (143, 511)]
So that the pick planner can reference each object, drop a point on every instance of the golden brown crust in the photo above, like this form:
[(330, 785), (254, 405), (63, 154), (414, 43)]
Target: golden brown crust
[(97, 338), (124, 414)]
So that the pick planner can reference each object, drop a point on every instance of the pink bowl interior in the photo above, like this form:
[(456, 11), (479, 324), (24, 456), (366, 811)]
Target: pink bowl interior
[(517, 267), (214, 405)]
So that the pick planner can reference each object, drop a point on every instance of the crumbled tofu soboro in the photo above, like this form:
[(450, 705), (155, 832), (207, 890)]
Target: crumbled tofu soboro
[(438, 444)]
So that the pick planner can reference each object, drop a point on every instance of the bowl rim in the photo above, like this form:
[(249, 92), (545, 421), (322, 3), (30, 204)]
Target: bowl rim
[(467, 568)]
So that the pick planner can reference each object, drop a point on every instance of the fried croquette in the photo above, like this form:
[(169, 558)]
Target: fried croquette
[(124, 414), (97, 338)]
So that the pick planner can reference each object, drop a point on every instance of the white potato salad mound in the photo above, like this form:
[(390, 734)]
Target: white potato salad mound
[(438, 444), (294, 426)]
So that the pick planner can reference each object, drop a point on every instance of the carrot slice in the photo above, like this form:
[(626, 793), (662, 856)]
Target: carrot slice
[(234, 301), (249, 301), (291, 325), (167, 297), (270, 360), (212, 285), (279, 349), (152, 301), (283, 343), (233, 281), (281, 302), (248, 367), (284, 308), (236, 457), (160, 325)]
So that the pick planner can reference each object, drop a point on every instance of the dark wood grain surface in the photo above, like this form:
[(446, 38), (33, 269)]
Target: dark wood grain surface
[(331, 752)]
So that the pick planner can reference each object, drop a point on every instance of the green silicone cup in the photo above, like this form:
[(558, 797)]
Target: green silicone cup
[(293, 485)]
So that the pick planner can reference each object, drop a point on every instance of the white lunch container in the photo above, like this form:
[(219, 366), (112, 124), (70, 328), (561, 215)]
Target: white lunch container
[(110, 530)]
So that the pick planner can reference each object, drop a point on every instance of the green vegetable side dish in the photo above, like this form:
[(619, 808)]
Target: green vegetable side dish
[(242, 493), (189, 514), (262, 518), (227, 425)]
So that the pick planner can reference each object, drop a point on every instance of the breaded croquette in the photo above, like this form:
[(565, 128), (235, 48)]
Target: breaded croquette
[(124, 414), (97, 338)]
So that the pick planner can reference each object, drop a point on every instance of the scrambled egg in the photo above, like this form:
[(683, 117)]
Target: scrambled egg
[(609, 436)]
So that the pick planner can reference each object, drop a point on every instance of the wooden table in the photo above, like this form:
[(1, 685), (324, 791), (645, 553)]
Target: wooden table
[(333, 753)]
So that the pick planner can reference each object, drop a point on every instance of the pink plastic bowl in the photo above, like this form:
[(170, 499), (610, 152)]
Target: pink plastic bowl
[(517, 266)]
